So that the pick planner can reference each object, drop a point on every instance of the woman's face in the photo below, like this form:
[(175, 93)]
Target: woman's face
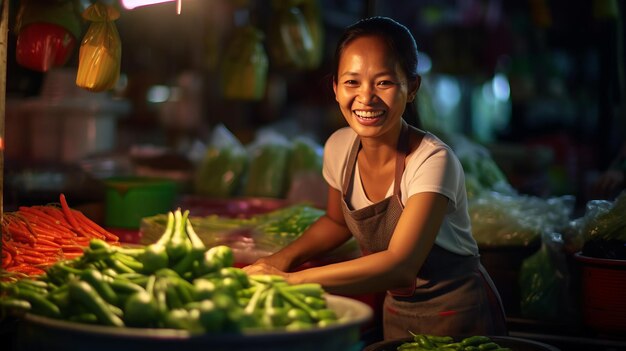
[(371, 88)]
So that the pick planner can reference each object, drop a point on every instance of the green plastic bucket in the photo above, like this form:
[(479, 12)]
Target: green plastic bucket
[(129, 199)]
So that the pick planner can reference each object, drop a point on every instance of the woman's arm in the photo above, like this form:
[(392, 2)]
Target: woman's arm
[(325, 234), (395, 267)]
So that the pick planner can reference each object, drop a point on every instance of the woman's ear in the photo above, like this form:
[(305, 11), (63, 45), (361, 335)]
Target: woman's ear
[(414, 86), (335, 88)]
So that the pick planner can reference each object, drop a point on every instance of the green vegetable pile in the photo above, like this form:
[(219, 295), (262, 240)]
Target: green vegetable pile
[(271, 231), (422, 342), (174, 283), (278, 228)]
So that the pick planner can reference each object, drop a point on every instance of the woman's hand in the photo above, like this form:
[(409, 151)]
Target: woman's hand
[(263, 267)]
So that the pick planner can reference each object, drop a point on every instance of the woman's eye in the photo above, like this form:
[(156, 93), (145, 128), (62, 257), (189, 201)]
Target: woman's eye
[(385, 83), (351, 82)]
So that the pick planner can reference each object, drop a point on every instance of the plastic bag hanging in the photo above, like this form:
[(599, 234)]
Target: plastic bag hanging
[(100, 51), (47, 33), (245, 65), (290, 42)]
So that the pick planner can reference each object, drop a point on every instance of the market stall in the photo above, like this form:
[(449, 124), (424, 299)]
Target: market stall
[(88, 274)]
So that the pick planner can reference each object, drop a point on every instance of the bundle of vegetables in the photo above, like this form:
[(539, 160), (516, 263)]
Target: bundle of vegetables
[(423, 342), (276, 229), (36, 237), (174, 283)]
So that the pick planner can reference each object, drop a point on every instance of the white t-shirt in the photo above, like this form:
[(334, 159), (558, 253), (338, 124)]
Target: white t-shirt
[(432, 167)]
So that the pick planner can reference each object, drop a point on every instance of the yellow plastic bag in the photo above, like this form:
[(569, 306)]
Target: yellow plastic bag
[(100, 51)]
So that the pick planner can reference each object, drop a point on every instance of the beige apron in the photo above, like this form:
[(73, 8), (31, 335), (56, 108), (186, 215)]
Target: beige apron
[(453, 294)]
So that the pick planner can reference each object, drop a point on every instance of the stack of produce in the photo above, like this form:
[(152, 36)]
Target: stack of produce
[(36, 237), (174, 283), (423, 342)]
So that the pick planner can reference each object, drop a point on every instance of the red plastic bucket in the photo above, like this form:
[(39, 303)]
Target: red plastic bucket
[(603, 293)]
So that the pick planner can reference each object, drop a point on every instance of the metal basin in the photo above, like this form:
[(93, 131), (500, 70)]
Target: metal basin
[(41, 333), (515, 344)]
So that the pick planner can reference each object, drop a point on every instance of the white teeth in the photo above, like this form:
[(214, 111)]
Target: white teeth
[(368, 114)]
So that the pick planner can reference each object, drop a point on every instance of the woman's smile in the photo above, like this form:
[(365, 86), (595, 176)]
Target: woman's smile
[(369, 117)]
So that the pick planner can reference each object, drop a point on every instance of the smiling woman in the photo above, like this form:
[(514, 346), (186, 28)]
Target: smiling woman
[(400, 191)]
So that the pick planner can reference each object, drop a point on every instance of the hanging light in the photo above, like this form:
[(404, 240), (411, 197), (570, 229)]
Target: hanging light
[(131, 4)]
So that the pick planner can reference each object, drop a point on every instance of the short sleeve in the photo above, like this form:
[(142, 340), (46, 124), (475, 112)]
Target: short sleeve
[(434, 169), (336, 150)]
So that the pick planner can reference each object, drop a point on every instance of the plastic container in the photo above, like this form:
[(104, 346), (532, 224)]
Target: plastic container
[(603, 293), (129, 199)]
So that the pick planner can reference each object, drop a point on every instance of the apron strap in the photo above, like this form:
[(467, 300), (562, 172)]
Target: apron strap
[(401, 152), (350, 166)]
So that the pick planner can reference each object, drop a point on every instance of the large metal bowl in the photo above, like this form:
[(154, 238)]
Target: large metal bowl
[(41, 333), (515, 344)]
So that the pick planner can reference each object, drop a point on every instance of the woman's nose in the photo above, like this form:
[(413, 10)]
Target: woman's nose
[(366, 94)]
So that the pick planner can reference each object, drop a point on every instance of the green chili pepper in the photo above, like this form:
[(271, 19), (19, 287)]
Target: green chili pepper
[(488, 346), (179, 245), (180, 318), (84, 294), (155, 256), (475, 340), (325, 314), (195, 254), (214, 259), (299, 325), (40, 304), (237, 274), (123, 286), (295, 314), (274, 314), (203, 289), (211, 317), (293, 300), (308, 289), (453, 346), (424, 341), (141, 309), (440, 339), (13, 304), (119, 266), (255, 300), (60, 297), (96, 280)]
